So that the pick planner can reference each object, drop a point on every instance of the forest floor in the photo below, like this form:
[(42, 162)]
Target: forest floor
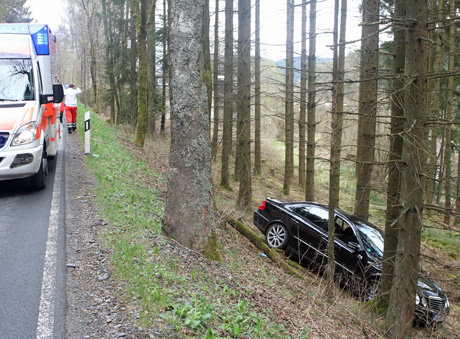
[(99, 305)]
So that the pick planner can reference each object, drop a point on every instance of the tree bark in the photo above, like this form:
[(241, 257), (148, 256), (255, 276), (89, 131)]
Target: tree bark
[(367, 106), (406, 271), (244, 109), (189, 214), (396, 144)]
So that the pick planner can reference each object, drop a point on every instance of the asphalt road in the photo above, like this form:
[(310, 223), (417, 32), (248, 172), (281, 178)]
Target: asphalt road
[(32, 256)]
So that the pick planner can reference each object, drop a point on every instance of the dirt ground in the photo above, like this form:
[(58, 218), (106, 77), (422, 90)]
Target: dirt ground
[(96, 307)]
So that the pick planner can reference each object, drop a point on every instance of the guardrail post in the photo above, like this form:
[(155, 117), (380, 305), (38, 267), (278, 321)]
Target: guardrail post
[(87, 133)]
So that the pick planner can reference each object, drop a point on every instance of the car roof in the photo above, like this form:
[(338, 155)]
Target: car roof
[(352, 217)]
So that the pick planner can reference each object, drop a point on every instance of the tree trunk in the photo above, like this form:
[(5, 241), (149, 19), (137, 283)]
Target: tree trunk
[(228, 96), (165, 65), (449, 108), (244, 109), (396, 144), (215, 134), (141, 22), (151, 67), (311, 108), (289, 101), (435, 108), (336, 127), (257, 141), (406, 271), (109, 60), (367, 106), (303, 97), (133, 63), (207, 55), (189, 214)]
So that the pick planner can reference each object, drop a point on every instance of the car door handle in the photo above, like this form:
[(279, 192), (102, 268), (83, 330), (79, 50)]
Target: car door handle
[(295, 221)]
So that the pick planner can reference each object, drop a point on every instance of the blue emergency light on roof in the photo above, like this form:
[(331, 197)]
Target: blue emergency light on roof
[(40, 39)]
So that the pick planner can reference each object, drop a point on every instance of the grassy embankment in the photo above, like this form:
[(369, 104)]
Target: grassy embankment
[(197, 304)]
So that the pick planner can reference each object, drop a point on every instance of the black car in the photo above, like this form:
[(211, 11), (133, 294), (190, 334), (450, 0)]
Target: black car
[(301, 228)]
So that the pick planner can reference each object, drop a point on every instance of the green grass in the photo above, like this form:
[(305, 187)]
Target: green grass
[(195, 302)]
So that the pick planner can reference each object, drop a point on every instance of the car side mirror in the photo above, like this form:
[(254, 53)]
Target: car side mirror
[(354, 246)]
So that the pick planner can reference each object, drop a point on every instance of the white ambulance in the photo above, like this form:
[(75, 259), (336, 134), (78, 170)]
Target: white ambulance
[(29, 102)]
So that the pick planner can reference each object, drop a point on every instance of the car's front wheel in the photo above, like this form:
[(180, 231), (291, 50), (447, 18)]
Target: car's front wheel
[(277, 236), (38, 180), (371, 290)]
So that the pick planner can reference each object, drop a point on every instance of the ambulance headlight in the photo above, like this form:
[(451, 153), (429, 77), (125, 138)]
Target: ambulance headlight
[(25, 135)]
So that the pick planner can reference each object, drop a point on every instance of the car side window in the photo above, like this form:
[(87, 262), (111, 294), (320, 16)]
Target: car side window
[(343, 231), (302, 211), (318, 216)]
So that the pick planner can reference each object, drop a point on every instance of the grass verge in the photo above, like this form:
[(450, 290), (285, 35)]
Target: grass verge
[(191, 302)]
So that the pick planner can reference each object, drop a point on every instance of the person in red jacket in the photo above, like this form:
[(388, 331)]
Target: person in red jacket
[(71, 93)]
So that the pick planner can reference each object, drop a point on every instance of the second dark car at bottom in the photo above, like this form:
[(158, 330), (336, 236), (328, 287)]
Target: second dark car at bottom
[(301, 228)]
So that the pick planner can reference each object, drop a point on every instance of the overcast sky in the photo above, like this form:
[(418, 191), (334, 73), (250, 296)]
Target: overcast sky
[(273, 23)]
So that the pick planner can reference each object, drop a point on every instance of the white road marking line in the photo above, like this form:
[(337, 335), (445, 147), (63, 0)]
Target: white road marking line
[(45, 325)]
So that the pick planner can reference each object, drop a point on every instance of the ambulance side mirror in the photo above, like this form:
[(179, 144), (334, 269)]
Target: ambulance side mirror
[(58, 93)]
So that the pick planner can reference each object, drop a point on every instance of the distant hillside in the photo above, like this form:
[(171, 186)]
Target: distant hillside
[(281, 64)]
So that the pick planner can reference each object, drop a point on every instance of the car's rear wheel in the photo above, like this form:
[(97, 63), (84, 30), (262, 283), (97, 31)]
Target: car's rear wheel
[(277, 236)]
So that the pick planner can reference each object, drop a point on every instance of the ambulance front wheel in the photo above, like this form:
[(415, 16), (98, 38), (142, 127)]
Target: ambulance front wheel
[(38, 180)]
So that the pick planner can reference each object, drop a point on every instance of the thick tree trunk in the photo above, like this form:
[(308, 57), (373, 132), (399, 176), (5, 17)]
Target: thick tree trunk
[(311, 108), (367, 106), (407, 269), (189, 214)]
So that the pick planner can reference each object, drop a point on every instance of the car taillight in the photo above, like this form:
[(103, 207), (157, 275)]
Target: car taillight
[(262, 206)]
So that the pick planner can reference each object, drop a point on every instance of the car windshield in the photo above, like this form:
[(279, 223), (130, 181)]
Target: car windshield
[(372, 239), (16, 80)]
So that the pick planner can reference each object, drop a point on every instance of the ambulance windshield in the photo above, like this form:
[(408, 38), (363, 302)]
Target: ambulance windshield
[(16, 80)]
